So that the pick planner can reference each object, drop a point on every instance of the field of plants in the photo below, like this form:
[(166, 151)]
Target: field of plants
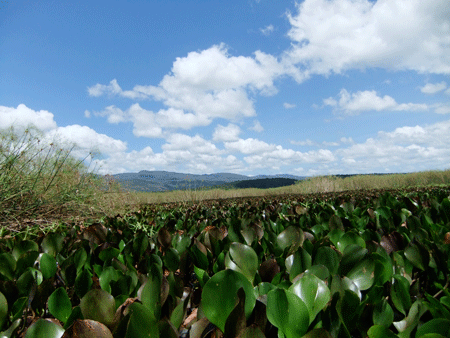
[(330, 263)]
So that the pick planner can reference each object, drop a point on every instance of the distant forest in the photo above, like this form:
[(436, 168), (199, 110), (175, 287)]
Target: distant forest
[(265, 183)]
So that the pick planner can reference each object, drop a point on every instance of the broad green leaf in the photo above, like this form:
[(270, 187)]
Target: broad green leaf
[(438, 325), (142, 322), (350, 238), (291, 237), (384, 269), (243, 259), (108, 254), (297, 263), (219, 296), (352, 254), (79, 258), (166, 329), (59, 304), (48, 266), (319, 270), (108, 274), (26, 260), (28, 280), (383, 314), (178, 314), (418, 256), (328, 257), (346, 308), (318, 333), (52, 244), (83, 283), (363, 274), (24, 246), (7, 265), (74, 315), (287, 312), (400, 294), (98, 305), (314, 293), (407, 325), (3, 309), (379, 331), (151, 291), (44, 328), (18, 307), (171, 259)]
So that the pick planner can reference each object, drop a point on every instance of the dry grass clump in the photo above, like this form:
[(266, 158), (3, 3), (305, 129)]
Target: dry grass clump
[(41, 181)]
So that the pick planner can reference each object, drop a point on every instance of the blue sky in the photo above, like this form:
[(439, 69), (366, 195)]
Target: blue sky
[(252, 87)]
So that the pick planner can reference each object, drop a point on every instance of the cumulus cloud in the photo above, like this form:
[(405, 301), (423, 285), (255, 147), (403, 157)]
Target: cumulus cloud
[(289, 105), (337, 35), (207, 84), (432, 88), (355, 103), (150, 124), (267, 30), (226, 134), (85, 138), (404, 149), (22, 116), (257, 126)]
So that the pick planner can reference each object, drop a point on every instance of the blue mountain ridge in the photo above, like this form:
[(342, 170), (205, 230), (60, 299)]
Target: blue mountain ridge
[(150, 181)]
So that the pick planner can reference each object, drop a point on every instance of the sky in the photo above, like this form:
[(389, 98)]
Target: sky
[(313, 87)]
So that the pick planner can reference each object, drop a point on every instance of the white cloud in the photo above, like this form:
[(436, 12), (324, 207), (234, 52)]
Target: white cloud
[(402, 150), (22, 116), (289, 105), (150, 124), (267, 30), (353, 104), (257, 126), (85, 138), (226, 134), (431, 88), (207, 84), (442, 109), (249, 146), (87, 114), (337, 35)]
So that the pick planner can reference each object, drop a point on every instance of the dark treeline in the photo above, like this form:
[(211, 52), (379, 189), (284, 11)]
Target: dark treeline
[(265, 183)]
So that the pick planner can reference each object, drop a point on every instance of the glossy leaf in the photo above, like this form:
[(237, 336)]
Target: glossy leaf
[(243, 259), (151, 291), (142, 323), (44, 328), (297, 263), (328, 257), (290, 237), (219, 296), (59, 304), (379, 331), (3, 309), (24, 246), (363, 274), (438, 325), (7, 265), (48, 265), (287, 312), (407, 325), (350, 238), (83, 283), (52, 244), (400, 294), (171, 259), (383, 314), (98, 305), (313, 292), (417, 255)]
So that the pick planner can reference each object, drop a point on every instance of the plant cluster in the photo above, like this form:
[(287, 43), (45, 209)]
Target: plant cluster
[(373, 263)]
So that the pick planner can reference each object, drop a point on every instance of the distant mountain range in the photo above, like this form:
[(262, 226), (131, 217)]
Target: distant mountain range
[(166, 181)]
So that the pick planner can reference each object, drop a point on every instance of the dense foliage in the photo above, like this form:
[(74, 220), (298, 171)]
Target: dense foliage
[(368, 263)]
